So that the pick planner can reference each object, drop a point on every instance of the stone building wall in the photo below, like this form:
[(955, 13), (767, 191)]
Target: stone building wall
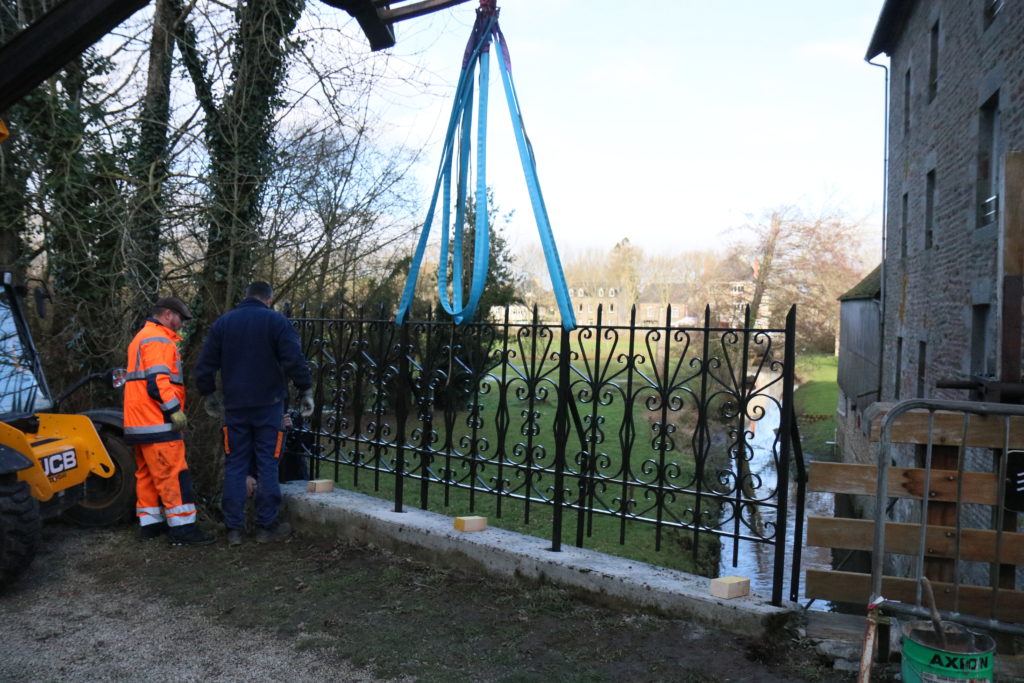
[(936, 294)]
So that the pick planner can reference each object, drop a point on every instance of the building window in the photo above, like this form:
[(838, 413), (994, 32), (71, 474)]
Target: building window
[(929, 209), (982, 359), (992, 8), (611, 291), (611, 307), (904, 217), (581, 308), (933, 62), (906, 103), (600, 291), (899, 367), (922, 365), (989, 168)]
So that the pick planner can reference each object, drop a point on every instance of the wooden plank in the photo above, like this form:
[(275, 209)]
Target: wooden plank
[(984, 431), (855, 588), (904, 482), (976, 545)]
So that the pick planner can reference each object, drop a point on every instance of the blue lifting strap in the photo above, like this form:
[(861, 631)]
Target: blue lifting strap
[(460, 123)]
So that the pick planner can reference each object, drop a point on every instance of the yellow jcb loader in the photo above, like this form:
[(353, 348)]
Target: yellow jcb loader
[(50, 463)]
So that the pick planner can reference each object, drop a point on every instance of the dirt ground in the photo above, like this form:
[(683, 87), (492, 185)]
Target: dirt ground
[(99, 605)]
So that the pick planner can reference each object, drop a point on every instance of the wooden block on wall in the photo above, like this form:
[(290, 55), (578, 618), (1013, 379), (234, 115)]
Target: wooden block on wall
[(320, 485), (470, 523), (730, 587)]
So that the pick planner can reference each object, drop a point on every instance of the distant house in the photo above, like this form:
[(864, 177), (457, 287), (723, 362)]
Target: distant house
[(730, 291), (656, 301), (610, 299)]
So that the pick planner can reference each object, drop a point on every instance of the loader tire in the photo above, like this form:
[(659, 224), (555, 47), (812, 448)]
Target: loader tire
[(108, 501), (20, 528)]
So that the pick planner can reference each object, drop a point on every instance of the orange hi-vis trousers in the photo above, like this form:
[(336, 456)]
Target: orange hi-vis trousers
[(163, 485)]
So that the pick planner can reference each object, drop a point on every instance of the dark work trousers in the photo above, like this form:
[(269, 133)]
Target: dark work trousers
[(252, 442)]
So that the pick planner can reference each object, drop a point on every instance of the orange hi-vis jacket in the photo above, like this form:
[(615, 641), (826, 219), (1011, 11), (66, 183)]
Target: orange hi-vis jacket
[(154, 387)]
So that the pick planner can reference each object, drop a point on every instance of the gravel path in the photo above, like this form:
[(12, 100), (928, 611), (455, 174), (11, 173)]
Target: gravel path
[(58, 624)]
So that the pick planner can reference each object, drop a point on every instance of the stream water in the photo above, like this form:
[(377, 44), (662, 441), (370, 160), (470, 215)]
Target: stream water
[(756, 561)]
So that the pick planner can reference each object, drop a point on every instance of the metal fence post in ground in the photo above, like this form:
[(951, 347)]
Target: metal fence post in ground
[(785, 436), (561, 437), (401, 414)]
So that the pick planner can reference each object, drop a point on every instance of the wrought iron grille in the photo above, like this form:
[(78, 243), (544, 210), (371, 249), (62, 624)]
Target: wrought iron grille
[(684, 431)]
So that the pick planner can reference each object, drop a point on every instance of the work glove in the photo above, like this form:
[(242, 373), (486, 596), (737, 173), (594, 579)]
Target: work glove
[(306, 403), (214, 406), (178, 420)]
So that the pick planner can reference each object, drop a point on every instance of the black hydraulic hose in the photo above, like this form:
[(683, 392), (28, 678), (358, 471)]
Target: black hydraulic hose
[(78, 385)]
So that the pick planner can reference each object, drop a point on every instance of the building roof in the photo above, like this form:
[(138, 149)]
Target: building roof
[(733, 269), (868, 288), (890, 24)]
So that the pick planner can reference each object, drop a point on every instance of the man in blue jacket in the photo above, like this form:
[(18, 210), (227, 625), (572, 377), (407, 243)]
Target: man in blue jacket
[(256, 350)]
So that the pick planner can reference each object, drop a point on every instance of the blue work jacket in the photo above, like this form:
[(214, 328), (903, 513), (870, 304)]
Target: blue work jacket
[(256, 350)]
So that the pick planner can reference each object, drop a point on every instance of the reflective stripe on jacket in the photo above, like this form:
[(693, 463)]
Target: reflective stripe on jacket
[(154, 387)]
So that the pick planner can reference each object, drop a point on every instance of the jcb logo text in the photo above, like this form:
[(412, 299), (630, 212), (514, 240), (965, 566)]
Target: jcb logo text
[(60, 462)]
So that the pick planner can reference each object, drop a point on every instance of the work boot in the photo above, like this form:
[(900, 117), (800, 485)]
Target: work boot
[(151, 531), (188, 534), (234, 537), (278, 531)]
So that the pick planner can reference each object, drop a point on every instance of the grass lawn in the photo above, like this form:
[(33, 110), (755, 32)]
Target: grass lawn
[(816, 400), (530, 439)]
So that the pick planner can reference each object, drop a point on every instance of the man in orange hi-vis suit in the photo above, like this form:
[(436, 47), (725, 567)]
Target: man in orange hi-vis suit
[(154, 404)]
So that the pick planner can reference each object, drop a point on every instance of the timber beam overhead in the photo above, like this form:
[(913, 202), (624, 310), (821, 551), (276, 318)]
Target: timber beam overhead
[(72, 26), (377, 17)]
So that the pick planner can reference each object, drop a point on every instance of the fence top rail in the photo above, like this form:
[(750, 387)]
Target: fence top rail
[(924, 421), (552, 325)]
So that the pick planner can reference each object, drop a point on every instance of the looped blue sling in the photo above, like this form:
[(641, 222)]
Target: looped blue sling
[(485, 30)]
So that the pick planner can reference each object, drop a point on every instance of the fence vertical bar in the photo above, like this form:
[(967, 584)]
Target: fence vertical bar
[(588, 437), (702, 438), (627, 435), (401, 414), (561, 437), (785, 435), (801, 503), (502, 419)]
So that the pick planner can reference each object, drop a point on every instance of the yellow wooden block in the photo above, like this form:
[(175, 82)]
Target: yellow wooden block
[(730, 587), (470, 523), (320, 485)]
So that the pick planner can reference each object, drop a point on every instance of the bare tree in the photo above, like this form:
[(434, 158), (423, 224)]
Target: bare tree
[(808, 261), (339, 206), (238, 127)]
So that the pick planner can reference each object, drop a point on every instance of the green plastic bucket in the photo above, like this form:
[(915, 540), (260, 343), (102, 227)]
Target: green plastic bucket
[(965, 655)]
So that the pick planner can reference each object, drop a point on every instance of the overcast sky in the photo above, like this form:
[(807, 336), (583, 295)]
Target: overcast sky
[(672, 122)]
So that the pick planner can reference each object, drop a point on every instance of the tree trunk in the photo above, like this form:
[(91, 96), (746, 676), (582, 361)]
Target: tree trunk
[(149, 166), (764, 269)]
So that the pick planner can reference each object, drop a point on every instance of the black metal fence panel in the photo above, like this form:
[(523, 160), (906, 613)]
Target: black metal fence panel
[(682, 430)]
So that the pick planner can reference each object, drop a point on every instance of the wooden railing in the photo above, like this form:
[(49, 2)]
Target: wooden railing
[(942, 485)]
